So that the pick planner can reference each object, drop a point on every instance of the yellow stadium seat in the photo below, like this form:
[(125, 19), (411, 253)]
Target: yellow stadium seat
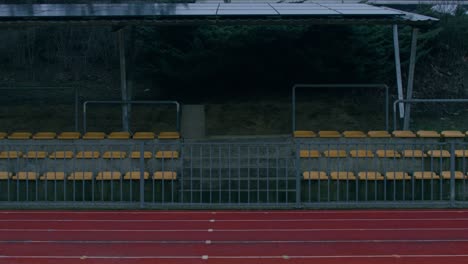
[(314, 175), (53, 175), (10, 154), (413, 153), (87, 155), (370, 176), (114, 155), (144, 135), (329, 134), (25, 175), (425, 175), (458, 175), (94, 135), (438, 153), (109, 175), (387, 153), (3, 135), (461, 153), (361, 153), (167, 154), (61, 155), (5, 175), (309, 154), (403, 134), (69, 135), (335, 154), (45, 135), (169, 135), (342, 175), (165, 175), (427, 134), (81, 176), (304, 134), (135, 175), (35, 155), (452, 134), (378, 134), (354, 134), (397, 175), (20, 135), (146, 155), (119, 135)]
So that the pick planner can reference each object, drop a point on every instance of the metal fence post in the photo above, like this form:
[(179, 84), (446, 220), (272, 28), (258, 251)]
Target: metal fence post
[(297, 169), (452, 174), (142, 174)]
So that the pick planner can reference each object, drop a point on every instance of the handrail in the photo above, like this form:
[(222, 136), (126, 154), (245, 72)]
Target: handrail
[(437, 100)]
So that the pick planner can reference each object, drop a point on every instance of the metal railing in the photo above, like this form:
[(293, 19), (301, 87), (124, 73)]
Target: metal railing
[(255, 174)]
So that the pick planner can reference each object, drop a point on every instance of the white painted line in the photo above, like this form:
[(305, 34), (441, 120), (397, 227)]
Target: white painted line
[(232, 241), (241, 257), (234, 230), (233, 220)]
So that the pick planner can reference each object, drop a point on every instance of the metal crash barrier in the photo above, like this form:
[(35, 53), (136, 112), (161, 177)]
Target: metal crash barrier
[(254, 174)]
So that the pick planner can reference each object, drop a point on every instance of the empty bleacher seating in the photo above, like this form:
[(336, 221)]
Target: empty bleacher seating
[(403, 134), (397, 175), (165, 175), (3, 135), (309, 154), (5, 175), (304, 134), (10, 154), (452, 134), (137, 155), (425, 175), (45, 135), (81, 175), (114, 155), (20, 135), (342, 175), (108, 175), (119, 135), (25, 175), (53, 175), (69, 135), (35, 155), (167, 154), (438, 153), (94, 135), (379, 134), (329, 134), (458, 175), (354, 134), (87, 155), (387, 153), (461, 153), (335, 154), (144, 135), (315, 175), (135, 175), (370, 175), (61, 155), (413, 153), (361, 153), (169, 135), (427, 134)]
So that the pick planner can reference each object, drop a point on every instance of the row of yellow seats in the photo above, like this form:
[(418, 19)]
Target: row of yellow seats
[(359, 153), (166, 154), (89, 135), (377, 176), (380, 134), (86, 175)]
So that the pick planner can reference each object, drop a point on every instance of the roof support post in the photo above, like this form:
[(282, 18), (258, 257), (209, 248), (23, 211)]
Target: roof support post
[(396, 47), (123, 79), (412, 65)]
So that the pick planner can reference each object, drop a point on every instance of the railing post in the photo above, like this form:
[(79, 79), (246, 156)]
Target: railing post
[(297, 169), (452, 174), (142, 174)]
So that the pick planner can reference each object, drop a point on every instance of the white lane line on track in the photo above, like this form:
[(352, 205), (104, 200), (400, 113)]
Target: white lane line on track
[(232, 230), (238, 212), (233, 220), (232, 241), (240, 257)]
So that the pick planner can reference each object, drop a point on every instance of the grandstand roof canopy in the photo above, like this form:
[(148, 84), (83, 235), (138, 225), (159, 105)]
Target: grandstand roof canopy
[(207, 13)]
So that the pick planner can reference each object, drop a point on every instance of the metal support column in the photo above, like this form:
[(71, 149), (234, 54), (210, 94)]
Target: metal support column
[(123, 80), (396, 47), (412, 65)]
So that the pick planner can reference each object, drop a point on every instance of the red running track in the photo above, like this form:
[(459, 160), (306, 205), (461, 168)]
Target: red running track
[(234, 237)]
